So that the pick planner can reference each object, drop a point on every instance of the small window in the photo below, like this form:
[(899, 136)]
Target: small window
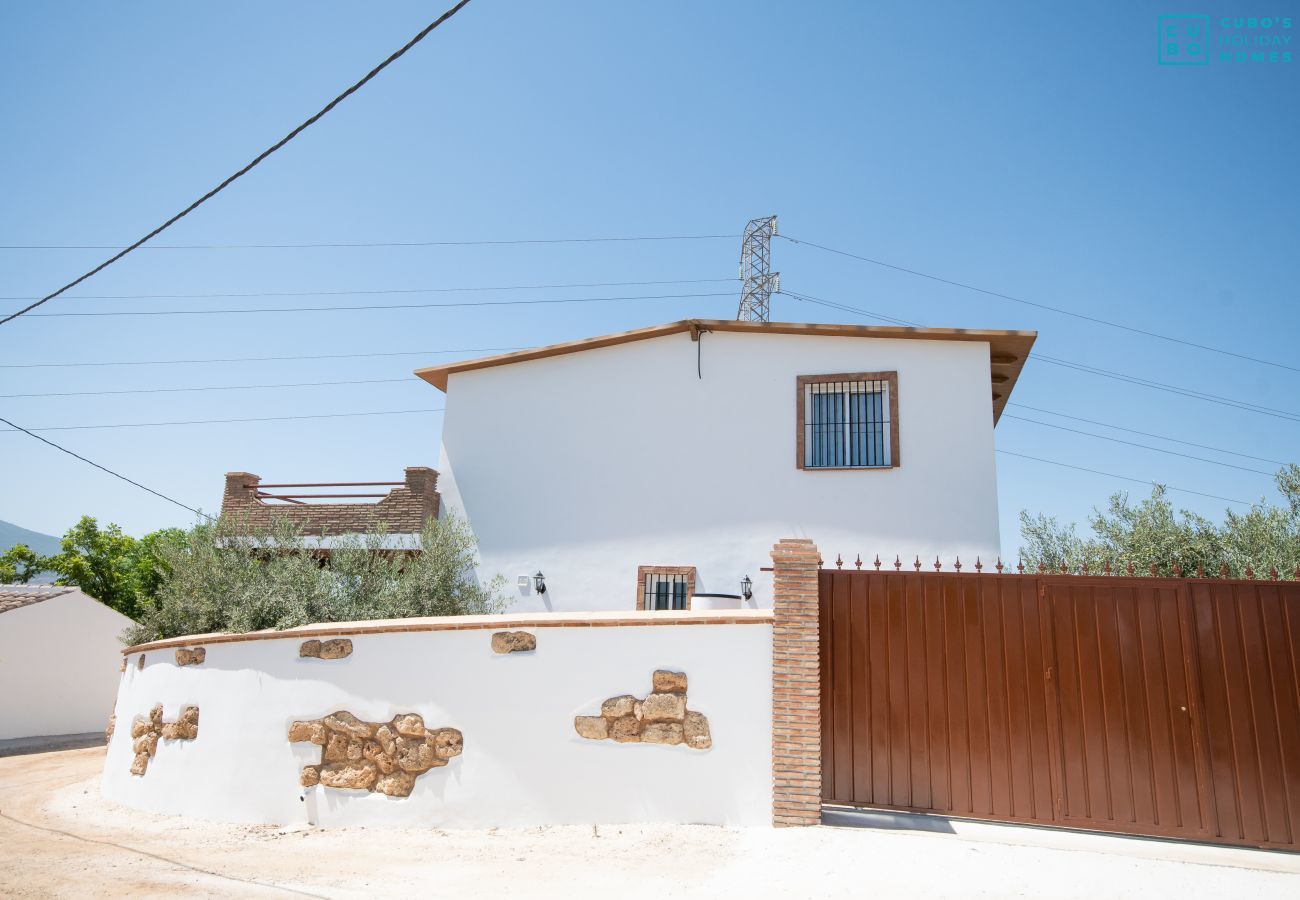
[(848, 421), (661, 588)]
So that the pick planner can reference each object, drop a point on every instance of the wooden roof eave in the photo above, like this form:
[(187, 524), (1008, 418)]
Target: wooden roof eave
[(1008, 350)]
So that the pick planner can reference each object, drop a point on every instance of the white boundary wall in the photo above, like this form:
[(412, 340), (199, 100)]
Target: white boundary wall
[(58, 666), (523, 763)]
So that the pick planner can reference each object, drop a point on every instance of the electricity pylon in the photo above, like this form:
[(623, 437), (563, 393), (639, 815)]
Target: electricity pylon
[(759, 282)]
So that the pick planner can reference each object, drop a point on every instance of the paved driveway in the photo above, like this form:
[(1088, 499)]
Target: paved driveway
[(59, 838)]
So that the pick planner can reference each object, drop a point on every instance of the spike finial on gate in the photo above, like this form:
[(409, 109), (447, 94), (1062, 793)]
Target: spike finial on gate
[(1296, 573), (1151, 570), (917, 565), (898, 563), (1272, 573), (857, 563), (1020, 567), (1223, 570), (1085, 567), (999, 565), (956, 565), (979, 566), (1250, 573), (937, 565), (1106, 571), (1065, 570), (1178, 570), (1129, 570), (1200, 570), (1041, 568), (839, 561)]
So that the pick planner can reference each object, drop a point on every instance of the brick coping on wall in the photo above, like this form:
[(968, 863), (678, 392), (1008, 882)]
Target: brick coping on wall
[(466, 623)]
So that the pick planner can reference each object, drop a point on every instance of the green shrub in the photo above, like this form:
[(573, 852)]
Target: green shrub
[(222, 578), (1152, 533)]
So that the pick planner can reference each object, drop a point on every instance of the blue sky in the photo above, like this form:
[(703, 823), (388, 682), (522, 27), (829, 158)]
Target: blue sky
[(1034, 149)]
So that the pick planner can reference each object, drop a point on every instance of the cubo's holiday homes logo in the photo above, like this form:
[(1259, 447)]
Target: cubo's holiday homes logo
[(1196, 40), (1184, 40)]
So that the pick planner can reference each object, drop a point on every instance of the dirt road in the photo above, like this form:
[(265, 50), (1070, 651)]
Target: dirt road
[(58, 838)]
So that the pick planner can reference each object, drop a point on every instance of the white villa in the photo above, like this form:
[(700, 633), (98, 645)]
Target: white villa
[(654, 469)]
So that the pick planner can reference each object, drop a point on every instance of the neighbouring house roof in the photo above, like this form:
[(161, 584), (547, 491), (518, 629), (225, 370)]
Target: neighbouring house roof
[(16, 596), (1007, 349)]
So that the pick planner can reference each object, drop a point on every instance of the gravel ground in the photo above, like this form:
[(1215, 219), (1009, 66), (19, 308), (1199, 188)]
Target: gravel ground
[(59, 838)]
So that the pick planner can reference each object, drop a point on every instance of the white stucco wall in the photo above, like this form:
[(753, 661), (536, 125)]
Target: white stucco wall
[(59, 661), (523, 763), (589, 464)]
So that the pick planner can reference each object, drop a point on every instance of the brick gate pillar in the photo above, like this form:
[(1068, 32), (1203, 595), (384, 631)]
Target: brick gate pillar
[(796, 686)]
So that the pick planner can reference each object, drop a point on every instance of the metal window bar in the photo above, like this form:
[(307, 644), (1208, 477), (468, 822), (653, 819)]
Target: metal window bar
[(846, 425), (665, 592)]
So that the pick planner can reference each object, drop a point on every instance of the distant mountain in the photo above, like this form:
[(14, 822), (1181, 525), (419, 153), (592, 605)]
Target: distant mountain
[(43, 544)]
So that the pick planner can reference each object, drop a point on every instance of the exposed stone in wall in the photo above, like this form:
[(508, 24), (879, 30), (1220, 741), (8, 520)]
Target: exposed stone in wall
[(185, 657), (669, 682), (595, 728), (661, 718), (146, 731), (139, 663), (112, 726), (513, 642), (384, 757), (336, 648), (122, 668)]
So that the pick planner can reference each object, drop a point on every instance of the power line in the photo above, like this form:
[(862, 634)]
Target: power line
[(367, 292), (1056, 309), (244, 359), (227, 387), (347, 244), (247, 168), (458, 303), (1243, 405), (853, 309), (1171, 388), (246, 387), (1161, 437), (383, 412), (1054, 462), (1103, 437), (104, 468)]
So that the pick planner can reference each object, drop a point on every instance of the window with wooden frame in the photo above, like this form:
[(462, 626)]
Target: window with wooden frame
[(661, 588), (848, 421)]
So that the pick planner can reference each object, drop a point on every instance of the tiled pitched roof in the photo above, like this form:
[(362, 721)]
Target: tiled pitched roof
[(16, 596)]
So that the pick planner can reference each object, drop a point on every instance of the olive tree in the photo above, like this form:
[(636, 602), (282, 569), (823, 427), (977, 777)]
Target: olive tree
[(1152, 533), (222, 577)]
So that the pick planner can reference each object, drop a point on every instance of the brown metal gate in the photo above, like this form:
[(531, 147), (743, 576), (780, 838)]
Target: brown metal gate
[(1166, 707)]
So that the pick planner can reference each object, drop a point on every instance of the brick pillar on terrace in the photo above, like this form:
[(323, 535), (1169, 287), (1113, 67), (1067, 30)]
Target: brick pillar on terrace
[(796, 685), (240, 497), (422, 482)]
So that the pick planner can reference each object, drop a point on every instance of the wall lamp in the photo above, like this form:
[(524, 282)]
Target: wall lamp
[(539, 582), (747, 588)]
